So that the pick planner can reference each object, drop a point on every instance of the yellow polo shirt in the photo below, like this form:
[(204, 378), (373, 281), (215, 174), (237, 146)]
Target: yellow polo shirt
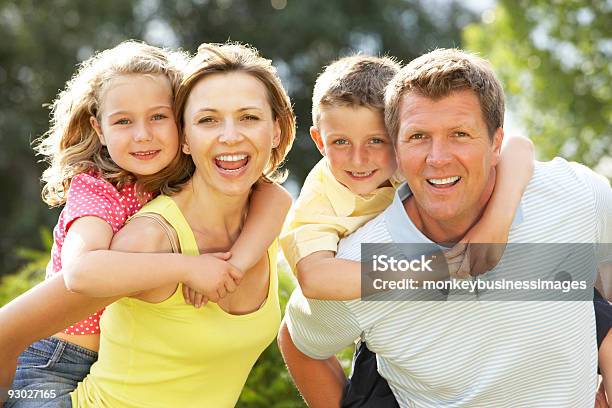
[(327, 211)]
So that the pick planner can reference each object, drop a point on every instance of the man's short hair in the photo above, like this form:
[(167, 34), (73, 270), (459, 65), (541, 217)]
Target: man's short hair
[(436, 75), (356, 80)]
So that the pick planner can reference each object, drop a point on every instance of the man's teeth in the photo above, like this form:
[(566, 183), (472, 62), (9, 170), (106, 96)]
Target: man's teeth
[(232, 157), (362, 174), (447, 180)]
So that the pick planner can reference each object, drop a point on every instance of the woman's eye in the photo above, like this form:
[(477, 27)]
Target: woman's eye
[(205, 119), (250, 117)]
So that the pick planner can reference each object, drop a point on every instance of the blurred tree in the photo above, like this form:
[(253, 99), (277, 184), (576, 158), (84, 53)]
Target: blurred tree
[(42, 42), (554, 58)]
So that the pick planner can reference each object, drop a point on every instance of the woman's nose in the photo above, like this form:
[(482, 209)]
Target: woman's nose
[(231, 134)]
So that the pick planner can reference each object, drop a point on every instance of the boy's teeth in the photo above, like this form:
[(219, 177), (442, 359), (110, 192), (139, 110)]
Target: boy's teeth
[(364, 174), (231, 157), (447, 180)]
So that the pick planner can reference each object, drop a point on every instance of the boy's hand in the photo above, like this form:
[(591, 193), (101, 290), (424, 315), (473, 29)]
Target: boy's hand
[(7, 372), (212, 278), (483, 250)]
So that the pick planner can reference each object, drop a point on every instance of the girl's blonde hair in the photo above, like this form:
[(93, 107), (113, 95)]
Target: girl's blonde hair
[(71, 146), (227, 58)]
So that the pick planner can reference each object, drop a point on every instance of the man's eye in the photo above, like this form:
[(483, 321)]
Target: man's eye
[(340, 142), (417, 136), (461, 134), (122, 122)]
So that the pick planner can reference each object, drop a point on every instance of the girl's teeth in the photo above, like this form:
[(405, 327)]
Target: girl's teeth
[(447, 180), (232, 157)]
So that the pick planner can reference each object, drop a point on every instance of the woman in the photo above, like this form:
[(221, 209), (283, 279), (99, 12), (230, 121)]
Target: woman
[(237, 126)]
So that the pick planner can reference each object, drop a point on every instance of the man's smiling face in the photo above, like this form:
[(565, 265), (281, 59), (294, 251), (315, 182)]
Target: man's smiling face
[(445, 152)]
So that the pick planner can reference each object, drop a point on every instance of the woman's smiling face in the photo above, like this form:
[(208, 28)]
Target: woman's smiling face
[(230, 131)]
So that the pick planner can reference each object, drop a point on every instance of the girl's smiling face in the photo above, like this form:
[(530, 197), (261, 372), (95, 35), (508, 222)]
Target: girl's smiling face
[(136, 123)]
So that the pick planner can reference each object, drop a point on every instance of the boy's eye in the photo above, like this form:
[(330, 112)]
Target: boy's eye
[(377, 140), (340, 142)]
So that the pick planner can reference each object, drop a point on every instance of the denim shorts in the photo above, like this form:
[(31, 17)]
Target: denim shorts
[(47, 372)]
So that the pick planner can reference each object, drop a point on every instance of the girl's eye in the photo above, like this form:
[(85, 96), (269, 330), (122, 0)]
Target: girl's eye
[(122, 122), (159, 116), (340, 142)]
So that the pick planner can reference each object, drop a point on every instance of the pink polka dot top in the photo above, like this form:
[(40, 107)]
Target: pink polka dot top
[(91, 196)]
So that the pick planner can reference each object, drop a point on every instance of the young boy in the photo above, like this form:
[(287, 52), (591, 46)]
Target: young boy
[(355, 181)]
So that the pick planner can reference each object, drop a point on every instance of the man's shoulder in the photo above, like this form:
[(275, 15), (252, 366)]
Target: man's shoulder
[(374, 231)]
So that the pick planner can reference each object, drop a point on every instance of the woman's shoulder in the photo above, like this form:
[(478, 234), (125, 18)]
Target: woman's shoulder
[(143, 234)]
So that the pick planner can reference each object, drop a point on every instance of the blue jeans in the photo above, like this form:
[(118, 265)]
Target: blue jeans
[(47, 372)]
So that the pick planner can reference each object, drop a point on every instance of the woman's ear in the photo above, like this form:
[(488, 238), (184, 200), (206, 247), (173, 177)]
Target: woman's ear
[(96, 126), (276, 138), (186, 148)]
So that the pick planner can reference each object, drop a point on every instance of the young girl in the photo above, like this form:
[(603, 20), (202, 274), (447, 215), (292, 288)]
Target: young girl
[(113, 134)]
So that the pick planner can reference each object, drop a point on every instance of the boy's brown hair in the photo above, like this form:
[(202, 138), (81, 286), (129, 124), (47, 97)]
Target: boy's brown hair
[(357, 80), (436, 75)]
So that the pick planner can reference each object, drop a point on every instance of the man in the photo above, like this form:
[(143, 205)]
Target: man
[(445, 111)]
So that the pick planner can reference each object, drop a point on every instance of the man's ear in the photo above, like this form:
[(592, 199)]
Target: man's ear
[(498, 138), (96, 126), (316, 137)]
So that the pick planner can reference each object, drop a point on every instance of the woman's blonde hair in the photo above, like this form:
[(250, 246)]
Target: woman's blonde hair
[(226, 58), (71, 146)]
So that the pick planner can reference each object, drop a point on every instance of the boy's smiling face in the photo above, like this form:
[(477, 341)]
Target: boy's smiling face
[(357, 147)]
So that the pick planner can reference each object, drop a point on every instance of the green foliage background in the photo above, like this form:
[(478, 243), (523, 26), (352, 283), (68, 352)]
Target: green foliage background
[(553, 57)]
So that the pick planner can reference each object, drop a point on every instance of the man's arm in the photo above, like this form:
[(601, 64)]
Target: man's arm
[(320, 382)]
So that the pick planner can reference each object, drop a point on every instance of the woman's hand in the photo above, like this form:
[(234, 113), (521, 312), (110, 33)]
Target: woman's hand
[(212, 278)]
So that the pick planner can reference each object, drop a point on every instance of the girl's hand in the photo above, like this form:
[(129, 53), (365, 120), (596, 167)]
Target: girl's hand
[(211, 278), (483, 249)]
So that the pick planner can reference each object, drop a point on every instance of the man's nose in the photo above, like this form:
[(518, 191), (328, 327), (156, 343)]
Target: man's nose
[(439, 153), (230, 133)]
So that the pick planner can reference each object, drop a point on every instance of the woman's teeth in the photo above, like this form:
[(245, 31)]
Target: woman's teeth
[(231, 162), (232, 157)]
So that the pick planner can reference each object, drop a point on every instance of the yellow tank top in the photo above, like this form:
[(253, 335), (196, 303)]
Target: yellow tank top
[(170, 354)]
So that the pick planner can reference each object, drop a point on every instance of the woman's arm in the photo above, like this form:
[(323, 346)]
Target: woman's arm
[(40, 312), (269, 206)]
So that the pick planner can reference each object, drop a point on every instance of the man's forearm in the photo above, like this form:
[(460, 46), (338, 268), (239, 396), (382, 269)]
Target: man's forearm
[(320, 382)]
